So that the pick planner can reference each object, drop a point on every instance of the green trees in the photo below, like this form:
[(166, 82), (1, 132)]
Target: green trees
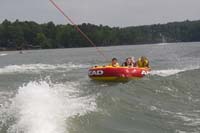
[(42, 41), (29, 35)]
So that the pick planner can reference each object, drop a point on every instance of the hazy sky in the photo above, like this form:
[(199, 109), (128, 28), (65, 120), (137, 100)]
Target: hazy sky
[(107, 12)]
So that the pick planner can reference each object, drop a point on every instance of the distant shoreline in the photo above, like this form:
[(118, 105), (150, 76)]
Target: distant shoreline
[(7, 50), (29, 35)]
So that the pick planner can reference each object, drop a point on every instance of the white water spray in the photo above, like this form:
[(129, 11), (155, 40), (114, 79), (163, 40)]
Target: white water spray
[(37, 68), (40, 107), (169, 72)]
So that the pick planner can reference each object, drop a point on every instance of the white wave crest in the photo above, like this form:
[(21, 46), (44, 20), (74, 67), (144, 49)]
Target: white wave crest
[(161, 44), (41, 107), (36, 68), (192, 119), (165, 73), (168, 72), (4, 54)]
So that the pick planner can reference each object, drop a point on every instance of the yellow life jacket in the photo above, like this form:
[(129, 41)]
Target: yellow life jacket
[(144, 63), (116, 65)]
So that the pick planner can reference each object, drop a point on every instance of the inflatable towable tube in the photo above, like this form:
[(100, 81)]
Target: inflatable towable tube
[(109, 73)]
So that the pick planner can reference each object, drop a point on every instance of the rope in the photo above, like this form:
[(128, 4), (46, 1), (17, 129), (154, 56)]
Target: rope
[(77, 28)]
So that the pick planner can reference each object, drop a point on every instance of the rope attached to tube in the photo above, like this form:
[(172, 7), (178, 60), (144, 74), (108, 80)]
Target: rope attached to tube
[(77, 28)]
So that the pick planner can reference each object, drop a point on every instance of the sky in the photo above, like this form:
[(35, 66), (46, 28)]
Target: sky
[(121, 13)]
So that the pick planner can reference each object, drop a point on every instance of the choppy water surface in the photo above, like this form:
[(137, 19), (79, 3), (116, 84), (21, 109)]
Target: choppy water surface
[(48, 91)]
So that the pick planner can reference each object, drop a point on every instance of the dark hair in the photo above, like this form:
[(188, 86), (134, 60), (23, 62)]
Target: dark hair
[(114, 59)]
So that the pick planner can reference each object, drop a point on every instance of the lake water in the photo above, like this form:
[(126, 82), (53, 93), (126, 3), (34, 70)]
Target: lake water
[(48, 91)]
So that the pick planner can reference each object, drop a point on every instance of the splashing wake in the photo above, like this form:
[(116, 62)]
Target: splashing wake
[(42, 107)]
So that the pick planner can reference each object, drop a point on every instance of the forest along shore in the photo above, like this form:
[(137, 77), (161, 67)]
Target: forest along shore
[(19, 35)]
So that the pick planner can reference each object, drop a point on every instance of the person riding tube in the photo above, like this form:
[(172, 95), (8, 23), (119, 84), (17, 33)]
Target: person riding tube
[(143, 62), (129, 62), (114, 63)]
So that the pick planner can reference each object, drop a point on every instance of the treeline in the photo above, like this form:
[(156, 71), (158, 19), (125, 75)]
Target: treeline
[(31, 35)]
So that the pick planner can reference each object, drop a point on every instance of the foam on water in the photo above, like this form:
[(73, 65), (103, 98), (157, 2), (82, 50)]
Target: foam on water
[(42, 107), (4, 54), (165, 73), (35, 68), (188, 119), (168, 72), (161, 44)]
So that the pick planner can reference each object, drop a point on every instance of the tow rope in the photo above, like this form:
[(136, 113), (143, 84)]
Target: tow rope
[(77, 28)]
